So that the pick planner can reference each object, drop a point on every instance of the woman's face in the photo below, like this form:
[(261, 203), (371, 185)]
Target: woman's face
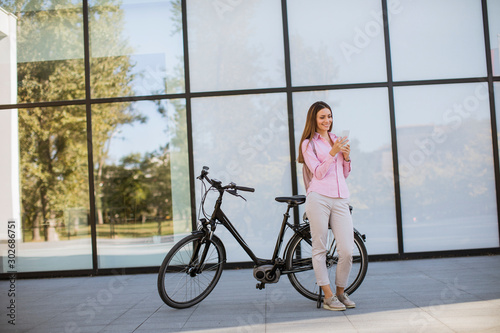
[(323, 120)]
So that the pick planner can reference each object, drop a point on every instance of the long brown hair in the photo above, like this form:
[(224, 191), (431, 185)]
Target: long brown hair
[(311, 125)]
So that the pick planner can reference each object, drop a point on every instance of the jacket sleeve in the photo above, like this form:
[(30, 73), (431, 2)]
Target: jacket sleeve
[(319, 169), (347, 168)]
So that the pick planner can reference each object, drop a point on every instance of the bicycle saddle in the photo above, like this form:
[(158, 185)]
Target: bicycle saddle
[(293, 200)]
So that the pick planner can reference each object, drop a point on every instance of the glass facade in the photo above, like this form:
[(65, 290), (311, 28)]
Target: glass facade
[(244, 139), (437, 40), (494, 29), (446, 167), (139, 43), (54, 231), (235, 45), (141, 186), (50, 50), (365, 113), (109, 110), (335, 42)]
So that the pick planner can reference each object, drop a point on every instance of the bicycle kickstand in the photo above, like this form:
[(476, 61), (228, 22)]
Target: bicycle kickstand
[(320, 298)]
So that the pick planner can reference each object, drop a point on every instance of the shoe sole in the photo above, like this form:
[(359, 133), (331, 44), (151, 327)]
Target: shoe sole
[(333, 309)]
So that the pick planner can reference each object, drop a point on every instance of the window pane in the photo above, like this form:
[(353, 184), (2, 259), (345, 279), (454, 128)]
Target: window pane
[(494, 25), (496, 87), (46, 177), (244, 139), (437, 40), (336, 41), (145, 55), (365, 113), (235, 44), (142, 181), (50, 64), (446, 167)]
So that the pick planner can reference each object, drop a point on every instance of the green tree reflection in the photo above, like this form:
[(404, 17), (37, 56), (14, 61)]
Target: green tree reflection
[(53, 140)]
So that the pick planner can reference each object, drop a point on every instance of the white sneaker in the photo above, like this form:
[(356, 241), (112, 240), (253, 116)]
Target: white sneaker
[(333, 304), (346, 301)]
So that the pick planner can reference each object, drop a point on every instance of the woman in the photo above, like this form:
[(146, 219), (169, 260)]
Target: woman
[(327, 203)]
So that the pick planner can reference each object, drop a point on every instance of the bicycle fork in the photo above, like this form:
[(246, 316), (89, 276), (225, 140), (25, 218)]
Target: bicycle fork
[(196, 262)]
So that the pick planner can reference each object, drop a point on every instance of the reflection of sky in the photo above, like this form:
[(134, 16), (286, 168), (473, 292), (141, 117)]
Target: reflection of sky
[(437, 39), (157, 51), (365, 112), (436, 104), (494, 26), (148, 30), (140, 137), (494, 22)]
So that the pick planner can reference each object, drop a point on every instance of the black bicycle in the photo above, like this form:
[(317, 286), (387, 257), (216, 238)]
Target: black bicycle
[(192, 268)]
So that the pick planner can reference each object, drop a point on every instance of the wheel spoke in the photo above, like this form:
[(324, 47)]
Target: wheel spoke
[(304, 280), (183, 281)]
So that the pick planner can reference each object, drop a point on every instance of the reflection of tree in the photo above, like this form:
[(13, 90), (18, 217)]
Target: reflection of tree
[(138, 188), (53, 140), (313, 57), (53, 163)]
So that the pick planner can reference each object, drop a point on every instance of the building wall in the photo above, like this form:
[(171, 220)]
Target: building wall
[(9, 149), (115, 125)]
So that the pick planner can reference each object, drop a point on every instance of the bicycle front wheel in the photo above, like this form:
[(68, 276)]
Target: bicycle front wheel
[(184, 280), (299, 263)]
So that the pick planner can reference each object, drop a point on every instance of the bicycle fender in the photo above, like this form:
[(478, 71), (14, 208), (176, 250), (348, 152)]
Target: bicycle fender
[(197, 232), (362, 236), (301, 232)]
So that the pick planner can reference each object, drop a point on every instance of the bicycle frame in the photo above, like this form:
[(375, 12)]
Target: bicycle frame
[(219, 215), (203, 252)]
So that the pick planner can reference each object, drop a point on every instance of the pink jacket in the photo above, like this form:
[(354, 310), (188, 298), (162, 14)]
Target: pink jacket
[(329, 171)]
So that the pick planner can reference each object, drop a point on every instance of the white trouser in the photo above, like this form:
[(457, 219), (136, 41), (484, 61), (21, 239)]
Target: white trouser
[(321, 212)]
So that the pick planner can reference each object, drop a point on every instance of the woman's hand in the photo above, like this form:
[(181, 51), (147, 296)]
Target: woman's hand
[(340, 146), (346, 151)]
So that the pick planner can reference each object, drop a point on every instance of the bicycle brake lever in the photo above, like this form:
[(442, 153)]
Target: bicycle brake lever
[(235, 193)]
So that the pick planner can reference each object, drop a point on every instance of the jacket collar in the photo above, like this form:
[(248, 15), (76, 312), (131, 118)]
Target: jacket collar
[(317, 136)]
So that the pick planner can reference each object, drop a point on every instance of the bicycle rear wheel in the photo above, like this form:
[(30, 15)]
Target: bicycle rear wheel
[(182, 280), (298, 261)]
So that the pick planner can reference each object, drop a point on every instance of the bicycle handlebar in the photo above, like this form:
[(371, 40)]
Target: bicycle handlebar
[(217, 184), (247, 189)]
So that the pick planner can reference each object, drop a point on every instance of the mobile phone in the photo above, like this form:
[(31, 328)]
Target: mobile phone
[(345, 134)]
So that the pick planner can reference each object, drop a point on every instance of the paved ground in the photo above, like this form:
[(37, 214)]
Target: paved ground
[(433, 295)]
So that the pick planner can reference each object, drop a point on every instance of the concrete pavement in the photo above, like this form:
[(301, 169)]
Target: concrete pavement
[(430, 295)]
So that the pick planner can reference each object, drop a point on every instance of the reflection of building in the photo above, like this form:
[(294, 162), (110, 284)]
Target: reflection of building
[(496, 60), (9, 147)]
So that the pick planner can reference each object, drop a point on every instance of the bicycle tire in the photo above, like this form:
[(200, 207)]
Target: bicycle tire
[(179, 284), (298, 261)]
